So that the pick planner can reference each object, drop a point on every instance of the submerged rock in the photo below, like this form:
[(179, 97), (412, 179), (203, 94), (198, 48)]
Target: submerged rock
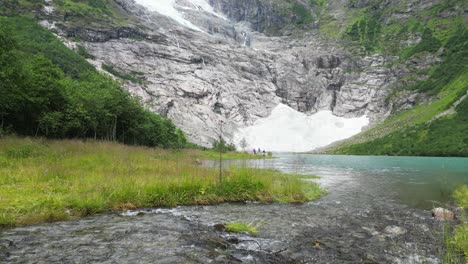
[(4, 245), (394, 230)]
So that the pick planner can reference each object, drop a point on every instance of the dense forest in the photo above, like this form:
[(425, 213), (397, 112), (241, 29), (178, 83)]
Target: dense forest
[(48, 90)]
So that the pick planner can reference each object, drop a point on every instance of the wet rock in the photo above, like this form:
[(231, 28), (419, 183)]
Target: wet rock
[(458, 212), (220, 227), (217, 242), (4, 253), (4, 246), (442, 214), (233, 240), (424, 228), (371, 259), (6, 243), (227, 259), (371, 231), (394, 230)]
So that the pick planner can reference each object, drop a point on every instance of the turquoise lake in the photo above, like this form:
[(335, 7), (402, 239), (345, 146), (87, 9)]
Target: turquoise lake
[(420, 182)]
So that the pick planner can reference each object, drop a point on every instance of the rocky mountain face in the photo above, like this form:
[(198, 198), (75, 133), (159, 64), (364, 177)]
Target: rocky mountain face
[(201, 62)]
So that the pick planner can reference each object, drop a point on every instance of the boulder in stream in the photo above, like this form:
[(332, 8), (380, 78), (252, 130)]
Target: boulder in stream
[(442, 214)]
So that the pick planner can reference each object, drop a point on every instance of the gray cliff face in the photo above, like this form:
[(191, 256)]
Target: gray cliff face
[(232, 72), (262, 15)]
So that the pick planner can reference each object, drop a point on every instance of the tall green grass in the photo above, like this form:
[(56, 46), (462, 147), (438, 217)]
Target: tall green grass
[(460, 239), (44, 180), (239, 227), (457, 241)]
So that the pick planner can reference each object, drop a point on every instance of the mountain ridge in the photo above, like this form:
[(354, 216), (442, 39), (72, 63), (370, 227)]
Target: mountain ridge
[(287, 49)]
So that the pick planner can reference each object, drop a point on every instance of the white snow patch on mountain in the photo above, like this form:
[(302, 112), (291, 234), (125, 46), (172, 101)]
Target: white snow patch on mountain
[(167, 8), (287, 130), (200, 5), (174, 9)]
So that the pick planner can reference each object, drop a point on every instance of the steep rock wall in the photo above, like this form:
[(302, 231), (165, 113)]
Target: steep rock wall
[(228, 71)]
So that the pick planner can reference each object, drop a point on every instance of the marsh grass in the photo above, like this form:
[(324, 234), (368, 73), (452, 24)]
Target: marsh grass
[(45, 180), (459, 240), (456, 240), (239, 227)]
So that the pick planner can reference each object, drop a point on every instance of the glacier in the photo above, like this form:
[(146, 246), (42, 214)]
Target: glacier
[(173, 10), (167, 8), (288, 130)]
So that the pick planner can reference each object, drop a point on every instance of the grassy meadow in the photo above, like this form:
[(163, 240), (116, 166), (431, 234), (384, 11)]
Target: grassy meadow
[(45, 180)]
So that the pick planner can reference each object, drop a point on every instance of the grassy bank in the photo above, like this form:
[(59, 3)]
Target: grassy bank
[(460, 238), (43, 180)]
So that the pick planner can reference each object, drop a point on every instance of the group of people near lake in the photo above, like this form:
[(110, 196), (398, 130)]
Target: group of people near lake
[(258, 151)]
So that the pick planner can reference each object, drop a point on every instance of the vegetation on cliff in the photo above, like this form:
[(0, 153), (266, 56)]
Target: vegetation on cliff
[(446, 136)]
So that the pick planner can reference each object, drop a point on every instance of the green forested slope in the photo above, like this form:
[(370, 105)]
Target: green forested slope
[(48, 90), (443, 33), (446, 136), (417, 131)]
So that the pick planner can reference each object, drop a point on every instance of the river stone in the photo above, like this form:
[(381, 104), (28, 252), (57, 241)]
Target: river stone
[(459, 211), (232, 240), (424, 228), (442, 214), (220, 227), (4, 245), (394, 230)]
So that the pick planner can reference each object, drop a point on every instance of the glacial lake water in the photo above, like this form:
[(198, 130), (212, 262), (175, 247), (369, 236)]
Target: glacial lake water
[(419, 182)]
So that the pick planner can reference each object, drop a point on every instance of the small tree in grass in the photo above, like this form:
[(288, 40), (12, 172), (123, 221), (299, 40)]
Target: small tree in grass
[(223, 146), (243, 143)]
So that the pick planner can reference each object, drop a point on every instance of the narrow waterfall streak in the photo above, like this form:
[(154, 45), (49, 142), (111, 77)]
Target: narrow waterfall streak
[(177, 41)]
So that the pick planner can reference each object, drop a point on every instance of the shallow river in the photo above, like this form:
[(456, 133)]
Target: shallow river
[(377, 210)]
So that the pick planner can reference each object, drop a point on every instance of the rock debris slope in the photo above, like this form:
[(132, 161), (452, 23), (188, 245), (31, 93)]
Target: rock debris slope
[(204, 62)]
